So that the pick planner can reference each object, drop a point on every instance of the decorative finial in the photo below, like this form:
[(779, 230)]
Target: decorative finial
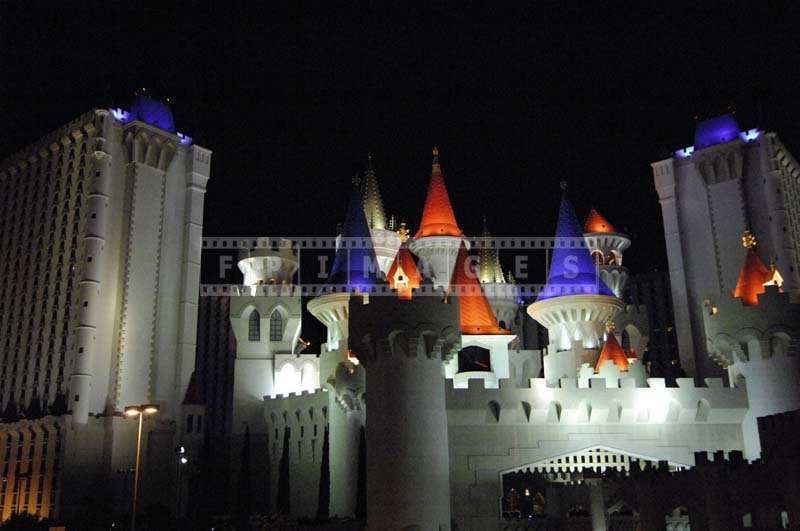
[(610, 327), (749, 240), (403, 232)]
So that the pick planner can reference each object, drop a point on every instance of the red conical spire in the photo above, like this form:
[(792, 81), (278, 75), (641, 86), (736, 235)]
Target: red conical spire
[(753, 274), (597, 223), (438, 218), (403, 275), (477, 317), (612, 352)]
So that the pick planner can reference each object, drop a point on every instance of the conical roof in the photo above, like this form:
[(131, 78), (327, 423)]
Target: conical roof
[(597, 223), (752, 277), (438, 218), (477, 317), (403, 274), (572, 270), (373, 204), (193, 395), (355, 264), (613, 352)]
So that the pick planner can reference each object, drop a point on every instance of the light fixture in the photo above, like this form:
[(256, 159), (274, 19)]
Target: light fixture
[(184, 460), (150, 409), (132, 411)]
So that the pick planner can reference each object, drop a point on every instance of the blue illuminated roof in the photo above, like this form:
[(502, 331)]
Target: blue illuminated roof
[(715, 131), (572, 270), (153, 112), (355, 264)]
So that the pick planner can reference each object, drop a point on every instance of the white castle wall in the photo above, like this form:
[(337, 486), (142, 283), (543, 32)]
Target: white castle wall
[(491, 431)]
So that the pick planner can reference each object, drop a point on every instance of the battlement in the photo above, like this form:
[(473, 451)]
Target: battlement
[(538, 403), (738, 333)]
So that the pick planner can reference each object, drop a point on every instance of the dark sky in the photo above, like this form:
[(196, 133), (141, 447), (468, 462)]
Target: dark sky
[(517, 99)]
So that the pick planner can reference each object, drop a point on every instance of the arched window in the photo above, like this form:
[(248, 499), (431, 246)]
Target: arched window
[(275, 326), (597, 257), (254, 328)]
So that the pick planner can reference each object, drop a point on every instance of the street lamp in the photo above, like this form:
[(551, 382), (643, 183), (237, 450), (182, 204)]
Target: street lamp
[(131, 412), (180, 459)]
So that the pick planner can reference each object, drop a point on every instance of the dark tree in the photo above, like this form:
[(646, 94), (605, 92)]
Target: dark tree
[(10, 413), (245, 493), (284, 494), (59, 405), (361, 488), (324, 499), (35, 408)]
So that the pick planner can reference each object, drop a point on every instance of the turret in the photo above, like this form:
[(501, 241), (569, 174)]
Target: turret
[(754, 333), (438, 239), (402, 344), (384, 239), (355, 268), (575, 304), (484, 344), (265, 265), (502, 295), (606, 246)]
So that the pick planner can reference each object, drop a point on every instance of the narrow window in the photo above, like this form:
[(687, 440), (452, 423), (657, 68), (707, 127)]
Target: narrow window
[(254, 329), (275, 326)]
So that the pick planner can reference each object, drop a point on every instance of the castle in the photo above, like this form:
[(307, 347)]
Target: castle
[(425, 384), (434, 398)]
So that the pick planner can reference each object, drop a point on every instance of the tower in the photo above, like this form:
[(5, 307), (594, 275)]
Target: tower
[(575, 303), (606, 246), (385, 240), (502, 295), (729, 181), (753, 333), (438, 239), (402, 344), (355, 267), (484, 344)]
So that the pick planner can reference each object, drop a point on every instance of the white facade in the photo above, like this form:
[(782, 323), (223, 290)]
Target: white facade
[(101, 226)]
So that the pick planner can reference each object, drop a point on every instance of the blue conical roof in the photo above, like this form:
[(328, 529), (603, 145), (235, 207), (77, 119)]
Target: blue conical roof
[(572, 270), (355, 264)]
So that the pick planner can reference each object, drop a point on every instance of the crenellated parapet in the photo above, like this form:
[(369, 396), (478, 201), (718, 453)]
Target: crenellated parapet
[(736, 332), (599, 403)]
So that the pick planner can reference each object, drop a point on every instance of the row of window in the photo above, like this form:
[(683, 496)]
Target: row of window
[(275, 326)]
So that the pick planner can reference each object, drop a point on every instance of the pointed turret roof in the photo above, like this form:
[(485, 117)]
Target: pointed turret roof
[(477, 317), (572, 270), (193, 395), (753, 275), (355, 263), (404, 266), (438, 218), (597, 223), (373, 205), (489, 260), (613, 352)]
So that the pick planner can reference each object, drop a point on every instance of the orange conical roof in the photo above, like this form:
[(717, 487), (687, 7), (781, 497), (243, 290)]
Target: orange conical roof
[(477, 317), (597, 223), (751, 278), (612, 352), (404, 275), (438, 218)]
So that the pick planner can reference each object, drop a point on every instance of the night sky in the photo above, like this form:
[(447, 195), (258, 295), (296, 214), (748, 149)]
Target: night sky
[(516, 99)]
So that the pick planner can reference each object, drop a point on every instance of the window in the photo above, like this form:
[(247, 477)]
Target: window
[(275, 326), (254, 327)]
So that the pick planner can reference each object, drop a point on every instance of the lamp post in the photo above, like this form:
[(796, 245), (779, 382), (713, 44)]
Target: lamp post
[(180, 460), (138, 411)]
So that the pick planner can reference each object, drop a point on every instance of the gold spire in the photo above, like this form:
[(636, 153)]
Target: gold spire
[(403, 233), (749, 240), (610, 327), (373, 205)]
